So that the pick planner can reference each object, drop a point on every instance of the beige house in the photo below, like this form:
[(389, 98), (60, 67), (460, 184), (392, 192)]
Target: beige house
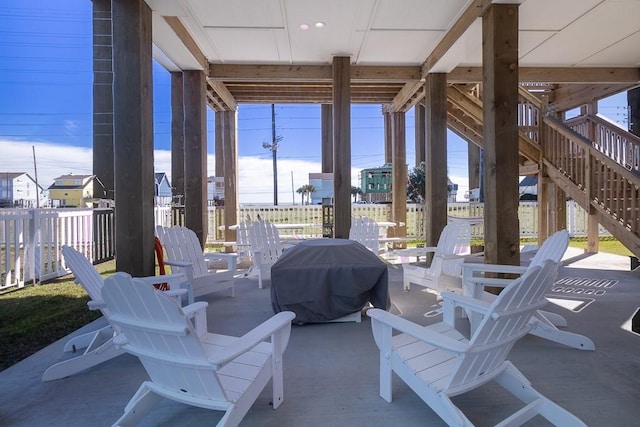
[(72, 191)]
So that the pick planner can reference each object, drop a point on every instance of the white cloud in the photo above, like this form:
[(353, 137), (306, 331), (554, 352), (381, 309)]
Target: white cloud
[(255, 175)]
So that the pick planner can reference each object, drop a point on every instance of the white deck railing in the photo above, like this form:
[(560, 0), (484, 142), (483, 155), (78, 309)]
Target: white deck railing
[(30, 239)]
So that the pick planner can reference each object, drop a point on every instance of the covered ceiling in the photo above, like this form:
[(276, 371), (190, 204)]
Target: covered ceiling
[(281, 50)]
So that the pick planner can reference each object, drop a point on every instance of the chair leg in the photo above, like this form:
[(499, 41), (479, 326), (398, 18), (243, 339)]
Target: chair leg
[(84, 340), (139, 405), (106, 351), (555, 319), (551, 333), (513, 380)]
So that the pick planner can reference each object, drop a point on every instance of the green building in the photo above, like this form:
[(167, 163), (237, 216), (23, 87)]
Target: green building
[(376, 184)]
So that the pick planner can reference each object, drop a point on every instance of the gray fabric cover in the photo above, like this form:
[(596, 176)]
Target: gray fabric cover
[(325, 279)]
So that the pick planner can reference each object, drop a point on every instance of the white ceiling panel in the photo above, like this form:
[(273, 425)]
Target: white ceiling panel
[(398, 47), (238, 13), (625, 53), (552, 15), (416, 14), (242, 46), (585, 37)]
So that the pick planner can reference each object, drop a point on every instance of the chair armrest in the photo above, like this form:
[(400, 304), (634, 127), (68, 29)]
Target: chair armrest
[(96, 305), (448, 257), (471, 268), (183, 264), (197, 311), (191, 309), (278, 322), (453, 300), (381, 317), (176, 278)]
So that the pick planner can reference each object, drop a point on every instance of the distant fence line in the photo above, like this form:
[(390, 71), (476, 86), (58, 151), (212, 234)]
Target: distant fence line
[(30, 239)]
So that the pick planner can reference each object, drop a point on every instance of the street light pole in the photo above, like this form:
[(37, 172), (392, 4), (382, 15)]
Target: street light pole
[(274, 151)]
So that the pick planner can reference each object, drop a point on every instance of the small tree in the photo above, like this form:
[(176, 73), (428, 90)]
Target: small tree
[(306, 190), (355, 191), (416, 184)]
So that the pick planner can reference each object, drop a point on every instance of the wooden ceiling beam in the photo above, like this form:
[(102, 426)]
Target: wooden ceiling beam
[(592, 75), (224, 94), (567, 97), (188, 41), (310, 73)]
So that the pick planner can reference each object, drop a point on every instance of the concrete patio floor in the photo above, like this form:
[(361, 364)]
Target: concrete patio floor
[(331, 369)]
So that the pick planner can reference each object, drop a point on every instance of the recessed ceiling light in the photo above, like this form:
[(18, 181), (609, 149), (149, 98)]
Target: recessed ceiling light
[(304, 27), (319, 24)]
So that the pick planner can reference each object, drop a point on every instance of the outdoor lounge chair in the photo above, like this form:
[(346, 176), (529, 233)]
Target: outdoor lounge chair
[(366, 232), (185, 255), (544, 323), (266, 247), (437, 362), (211, 371), (445, 271), (98, 345)]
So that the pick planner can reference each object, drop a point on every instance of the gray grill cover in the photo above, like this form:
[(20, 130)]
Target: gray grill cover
[(325, 279)]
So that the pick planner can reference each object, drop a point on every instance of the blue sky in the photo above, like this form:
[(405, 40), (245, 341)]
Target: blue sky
[(46, 103)]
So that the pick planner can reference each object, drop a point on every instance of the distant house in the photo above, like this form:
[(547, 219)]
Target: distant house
[(529, 188), (72, 191), (323, 185), (215, 190), (163, 193), (375, 184), (19, 190)]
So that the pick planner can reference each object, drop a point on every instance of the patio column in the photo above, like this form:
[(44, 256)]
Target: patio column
[(177, 137), (500, 99), (474, 157), (218, 144), (103, 167), (326, 113), (399, 177), (133, 137), (633, 100), (230, 158), (341, 146), (195, 153), (388, 137), (420, 113), (593, 240), (435, 174)]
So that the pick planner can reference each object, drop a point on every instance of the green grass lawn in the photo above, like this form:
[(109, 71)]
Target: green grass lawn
[(35, 316)]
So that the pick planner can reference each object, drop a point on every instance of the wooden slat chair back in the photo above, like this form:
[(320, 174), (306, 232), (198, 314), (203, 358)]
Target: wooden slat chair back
[(266, 248), (445, 270), (212, 371), (366, 232), (185, 256), (437, 362)]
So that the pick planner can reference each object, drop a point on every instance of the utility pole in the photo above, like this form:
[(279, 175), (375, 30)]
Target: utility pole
[(35, 170), (274, 151)]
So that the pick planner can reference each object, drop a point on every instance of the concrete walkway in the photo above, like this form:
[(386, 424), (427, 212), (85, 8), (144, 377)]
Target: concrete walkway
[(331, 370)]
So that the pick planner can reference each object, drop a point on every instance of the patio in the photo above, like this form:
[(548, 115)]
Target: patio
[(331, 370)]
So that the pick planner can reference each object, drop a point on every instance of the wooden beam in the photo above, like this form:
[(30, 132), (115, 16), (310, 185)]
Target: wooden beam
[(468, 17), (408, 96), (341, 146), (567, 97), (574, 75), (183, 34), (224, 94), (310, 73)]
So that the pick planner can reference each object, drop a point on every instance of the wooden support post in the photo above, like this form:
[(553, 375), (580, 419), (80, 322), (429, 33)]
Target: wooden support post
[(103, 157), (177, 137), (593, 238), (218, 143), (500, 99), (341, 146), (473, 163), (230, 153), (388, 137), (399, 177), (420, 112), (326, 113), (633, 100), (436, 191), (133, 137), (195, 154)]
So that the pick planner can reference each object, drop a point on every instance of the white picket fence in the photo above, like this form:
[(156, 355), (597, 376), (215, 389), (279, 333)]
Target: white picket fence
[(30, 239)]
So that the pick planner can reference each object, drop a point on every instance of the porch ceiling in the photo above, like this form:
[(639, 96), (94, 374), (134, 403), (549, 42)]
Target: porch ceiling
[(257, 51)]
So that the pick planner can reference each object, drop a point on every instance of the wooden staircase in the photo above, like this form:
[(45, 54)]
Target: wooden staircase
[(595, 162)]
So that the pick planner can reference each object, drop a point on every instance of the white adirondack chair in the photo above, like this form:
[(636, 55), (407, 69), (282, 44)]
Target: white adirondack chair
[(544, 323), (185, 255), (266, 248), (366, 232), (98, 345), (211, 371), (437, 362), (445, 271)]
